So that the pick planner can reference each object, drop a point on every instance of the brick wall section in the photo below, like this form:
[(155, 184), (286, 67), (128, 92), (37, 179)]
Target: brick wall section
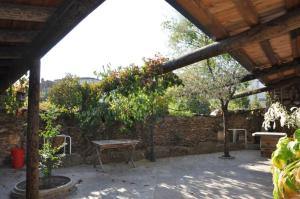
[(173, 136)]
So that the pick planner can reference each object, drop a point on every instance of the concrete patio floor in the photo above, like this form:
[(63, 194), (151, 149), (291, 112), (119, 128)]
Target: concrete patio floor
[(196, 176)]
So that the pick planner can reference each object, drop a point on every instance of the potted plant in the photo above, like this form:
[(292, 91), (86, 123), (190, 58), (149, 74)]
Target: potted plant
[(49, 154), (286, 157), (49, 186)]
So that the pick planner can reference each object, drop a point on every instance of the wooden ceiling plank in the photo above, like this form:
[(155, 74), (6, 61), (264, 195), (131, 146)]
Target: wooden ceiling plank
[(214, 25), (190, 17), (267, 48), (24, 12), (16, 36), (279, 26), (247, 11)]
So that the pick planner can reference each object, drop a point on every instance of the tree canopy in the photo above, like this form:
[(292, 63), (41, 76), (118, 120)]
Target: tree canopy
[(215, 78), (66, 94)]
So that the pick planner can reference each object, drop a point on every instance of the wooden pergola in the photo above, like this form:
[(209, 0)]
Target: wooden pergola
[(28, 30), (262, 35)]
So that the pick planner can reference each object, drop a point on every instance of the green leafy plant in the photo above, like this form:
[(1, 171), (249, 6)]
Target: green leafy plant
[(216, 79), (286, 157), (49, 157), (94, 111), (136, 94), (66, 94), (11, 104)]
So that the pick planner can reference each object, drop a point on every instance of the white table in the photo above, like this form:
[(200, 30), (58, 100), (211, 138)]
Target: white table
[(235, 133), (268, 141), (101, 145)]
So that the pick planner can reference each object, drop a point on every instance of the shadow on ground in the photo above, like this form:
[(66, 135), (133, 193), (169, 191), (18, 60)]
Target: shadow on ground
[(197, 176)]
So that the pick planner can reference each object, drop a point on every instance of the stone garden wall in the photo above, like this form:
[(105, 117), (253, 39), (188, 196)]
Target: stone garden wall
[(11, 134), (173, 136), (201, 134)]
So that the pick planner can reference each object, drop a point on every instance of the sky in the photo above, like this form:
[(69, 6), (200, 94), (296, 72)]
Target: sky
[(118, 33)]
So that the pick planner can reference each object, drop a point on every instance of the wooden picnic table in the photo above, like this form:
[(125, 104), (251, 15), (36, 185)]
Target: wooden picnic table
[(101, 145)]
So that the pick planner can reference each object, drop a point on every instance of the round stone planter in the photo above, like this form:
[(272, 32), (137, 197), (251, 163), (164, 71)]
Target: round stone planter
[(52, 187)]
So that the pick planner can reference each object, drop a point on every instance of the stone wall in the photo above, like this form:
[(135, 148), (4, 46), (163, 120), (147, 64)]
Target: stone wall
[(289, 95), (173, 136), (11, 134), (201, 134)]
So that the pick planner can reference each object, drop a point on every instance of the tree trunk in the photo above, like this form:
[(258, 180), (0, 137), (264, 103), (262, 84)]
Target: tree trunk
[(151, 151), (226, 136), (152, 157)]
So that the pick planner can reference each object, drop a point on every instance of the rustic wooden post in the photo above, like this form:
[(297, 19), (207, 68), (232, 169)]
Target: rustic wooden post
[(32, 161)]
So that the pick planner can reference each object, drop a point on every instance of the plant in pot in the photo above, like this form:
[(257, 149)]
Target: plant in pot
[(49, 186), (286, 157), (49, 154)]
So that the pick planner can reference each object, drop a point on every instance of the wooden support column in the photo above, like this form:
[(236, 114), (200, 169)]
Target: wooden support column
[(32, 161)]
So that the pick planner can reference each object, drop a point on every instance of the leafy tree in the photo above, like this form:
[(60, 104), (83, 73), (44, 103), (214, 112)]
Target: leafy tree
[(11, 103), (184, 104), (135, 94), (255, 104), (215, 79), (219, 84), (66, 94), (94, 111), (184, 36)]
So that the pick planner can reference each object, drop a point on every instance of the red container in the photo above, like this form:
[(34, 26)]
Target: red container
[(17, 158)]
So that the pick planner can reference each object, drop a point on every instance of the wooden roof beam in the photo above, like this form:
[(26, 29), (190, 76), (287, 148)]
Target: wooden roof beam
[(15, 36), (258, 33), (279, 84), (11, 52), (267, 48), (10, 62), (24, 12), (11, 78), (59, 24), (272, 70), (242, 57), (247, 11), (291, 3), (295, 37)]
